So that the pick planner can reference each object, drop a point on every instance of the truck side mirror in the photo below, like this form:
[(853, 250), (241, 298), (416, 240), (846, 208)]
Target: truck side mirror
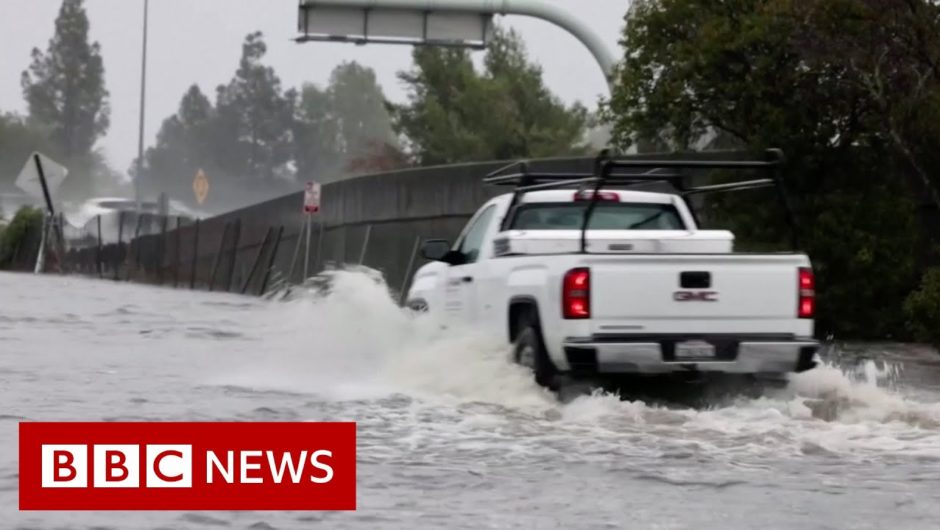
[(439, 250), (435, 249)]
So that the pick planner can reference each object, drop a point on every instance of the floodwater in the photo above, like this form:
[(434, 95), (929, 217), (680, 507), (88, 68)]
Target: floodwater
[(450, 434)]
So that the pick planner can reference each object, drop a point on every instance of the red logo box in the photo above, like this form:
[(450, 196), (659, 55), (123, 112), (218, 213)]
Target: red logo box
[(187, 466)]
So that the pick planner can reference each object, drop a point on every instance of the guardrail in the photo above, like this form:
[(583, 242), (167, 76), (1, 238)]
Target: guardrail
[(376, 220)]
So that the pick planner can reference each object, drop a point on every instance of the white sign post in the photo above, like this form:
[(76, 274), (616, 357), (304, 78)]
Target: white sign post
[(311, 207), (312, 198), (40, 257)]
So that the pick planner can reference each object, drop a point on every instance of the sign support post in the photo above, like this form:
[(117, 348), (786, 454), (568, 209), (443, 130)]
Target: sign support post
[(293, 259), (40, 258), (311, 207), (49, 178), (307, 248), (45, 186)]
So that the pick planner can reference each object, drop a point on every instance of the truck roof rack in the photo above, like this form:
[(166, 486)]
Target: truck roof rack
[(612, 171)]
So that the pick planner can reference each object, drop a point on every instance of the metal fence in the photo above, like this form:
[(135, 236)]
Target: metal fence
[(377, 221), (233, 256)]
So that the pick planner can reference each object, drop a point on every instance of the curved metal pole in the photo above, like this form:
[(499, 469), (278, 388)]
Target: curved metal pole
[(563, 19), (532, 8)]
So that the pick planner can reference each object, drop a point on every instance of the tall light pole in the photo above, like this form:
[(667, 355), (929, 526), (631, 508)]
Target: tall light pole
[(143, 99)]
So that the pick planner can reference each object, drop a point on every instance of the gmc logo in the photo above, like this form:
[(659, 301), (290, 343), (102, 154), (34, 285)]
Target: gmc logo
[(695, 296)]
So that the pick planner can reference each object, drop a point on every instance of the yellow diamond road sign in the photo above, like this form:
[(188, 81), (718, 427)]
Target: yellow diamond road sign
[(201, 186)]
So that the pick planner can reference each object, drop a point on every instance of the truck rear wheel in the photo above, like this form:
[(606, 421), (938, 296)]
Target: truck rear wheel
[(529, 351)]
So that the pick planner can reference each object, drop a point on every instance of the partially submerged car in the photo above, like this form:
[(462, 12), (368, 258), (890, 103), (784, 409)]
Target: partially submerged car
[(122, 219)]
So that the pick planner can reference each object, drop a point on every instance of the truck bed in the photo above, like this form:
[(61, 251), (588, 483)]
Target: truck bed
[(657, 313)]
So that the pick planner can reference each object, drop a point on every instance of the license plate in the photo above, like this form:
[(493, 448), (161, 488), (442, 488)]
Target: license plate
[(695, 350)]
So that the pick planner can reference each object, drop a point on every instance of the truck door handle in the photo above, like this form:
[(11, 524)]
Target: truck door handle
[(467, 279)]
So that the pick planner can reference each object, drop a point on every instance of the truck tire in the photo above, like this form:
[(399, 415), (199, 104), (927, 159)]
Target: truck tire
[(529, 351)]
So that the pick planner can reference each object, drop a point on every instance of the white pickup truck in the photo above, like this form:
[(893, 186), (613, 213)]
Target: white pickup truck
[(584, 279)]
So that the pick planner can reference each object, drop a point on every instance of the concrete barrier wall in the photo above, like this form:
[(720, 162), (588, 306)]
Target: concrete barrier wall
[(376, 218)]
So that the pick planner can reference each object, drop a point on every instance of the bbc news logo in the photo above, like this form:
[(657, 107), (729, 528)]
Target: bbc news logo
[(170, 466), (187, 466), (116, 466)]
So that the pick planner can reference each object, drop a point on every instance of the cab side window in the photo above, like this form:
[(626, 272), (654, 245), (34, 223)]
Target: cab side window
[(472, 241)]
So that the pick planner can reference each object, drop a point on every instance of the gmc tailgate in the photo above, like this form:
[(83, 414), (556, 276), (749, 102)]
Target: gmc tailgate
[(697, 293)]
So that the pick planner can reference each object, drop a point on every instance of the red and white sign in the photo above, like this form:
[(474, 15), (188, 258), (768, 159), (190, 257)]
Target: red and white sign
[(187, 466), (312, 198)]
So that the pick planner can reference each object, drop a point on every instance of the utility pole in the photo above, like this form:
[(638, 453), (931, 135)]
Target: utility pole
[(143, 99)]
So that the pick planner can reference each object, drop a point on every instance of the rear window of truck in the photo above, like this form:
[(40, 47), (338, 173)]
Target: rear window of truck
[(606, 216)]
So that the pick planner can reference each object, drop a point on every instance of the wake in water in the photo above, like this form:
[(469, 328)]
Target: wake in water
[(343, 338)]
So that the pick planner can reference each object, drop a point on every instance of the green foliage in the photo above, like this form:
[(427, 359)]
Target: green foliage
[(345, 127), (64, 88), (848, 88), (184, 146), (20, 235), (923, 308), (253, 118), (243, 142), (316, 147), (358, 110), (18, 139), (457, 114), (257, 140), (862, 244), (181, 141)]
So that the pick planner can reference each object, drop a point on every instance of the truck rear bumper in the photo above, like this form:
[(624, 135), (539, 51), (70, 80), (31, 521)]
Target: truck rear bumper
[(658, 355)]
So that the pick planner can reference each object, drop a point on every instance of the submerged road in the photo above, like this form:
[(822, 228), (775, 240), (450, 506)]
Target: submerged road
[(450, 434)]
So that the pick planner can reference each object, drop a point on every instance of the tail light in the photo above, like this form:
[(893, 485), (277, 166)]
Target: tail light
[(807, 294), (605, 196), (576, 294)]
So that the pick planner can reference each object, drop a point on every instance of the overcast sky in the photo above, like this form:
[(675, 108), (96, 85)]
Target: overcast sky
[(199, 41)]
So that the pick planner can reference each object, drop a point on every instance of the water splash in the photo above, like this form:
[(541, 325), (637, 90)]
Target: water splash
[(862, 393), (343, 337)]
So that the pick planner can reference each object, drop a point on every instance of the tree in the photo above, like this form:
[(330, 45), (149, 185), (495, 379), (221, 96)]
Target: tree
[(345, 128), (358, 108), (380, 158), (17, 140), (68, 103), (183, 147), (244, 142), (64, 87), (828, 81), (457, 114), (888, 51), (316, 137), (255, 118), (257, 139)]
